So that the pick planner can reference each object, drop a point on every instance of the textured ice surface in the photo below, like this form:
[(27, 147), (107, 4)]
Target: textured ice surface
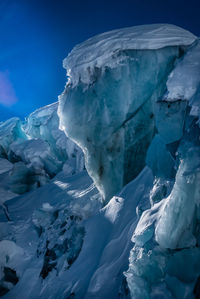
[(174, 228), (185, 78)]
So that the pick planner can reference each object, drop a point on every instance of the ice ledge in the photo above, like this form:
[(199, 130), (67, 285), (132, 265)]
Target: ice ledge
[(97, 51)]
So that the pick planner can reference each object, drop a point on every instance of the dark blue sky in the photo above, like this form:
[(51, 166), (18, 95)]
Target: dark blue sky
[(35, 36)]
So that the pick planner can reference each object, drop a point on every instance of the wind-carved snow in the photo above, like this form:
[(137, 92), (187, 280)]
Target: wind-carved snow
[(115, 80), (104, 49)]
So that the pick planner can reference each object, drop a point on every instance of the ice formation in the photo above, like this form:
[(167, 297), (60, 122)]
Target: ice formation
[(115, 80), (34, 151), (132, 105)]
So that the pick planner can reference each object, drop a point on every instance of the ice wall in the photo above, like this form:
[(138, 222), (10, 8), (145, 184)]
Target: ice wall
[(108, 106)]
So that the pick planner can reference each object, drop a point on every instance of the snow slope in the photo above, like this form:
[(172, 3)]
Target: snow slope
[(107, 234)]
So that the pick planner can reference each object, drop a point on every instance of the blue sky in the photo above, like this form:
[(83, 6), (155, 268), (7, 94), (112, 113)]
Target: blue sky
[(35, 36)]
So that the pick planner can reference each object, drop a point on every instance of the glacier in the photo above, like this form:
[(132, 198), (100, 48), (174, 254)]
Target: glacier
[(99, 192)]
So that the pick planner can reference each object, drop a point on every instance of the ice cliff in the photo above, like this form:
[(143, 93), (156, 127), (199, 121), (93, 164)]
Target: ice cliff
[(116, 80), (132, 230)]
